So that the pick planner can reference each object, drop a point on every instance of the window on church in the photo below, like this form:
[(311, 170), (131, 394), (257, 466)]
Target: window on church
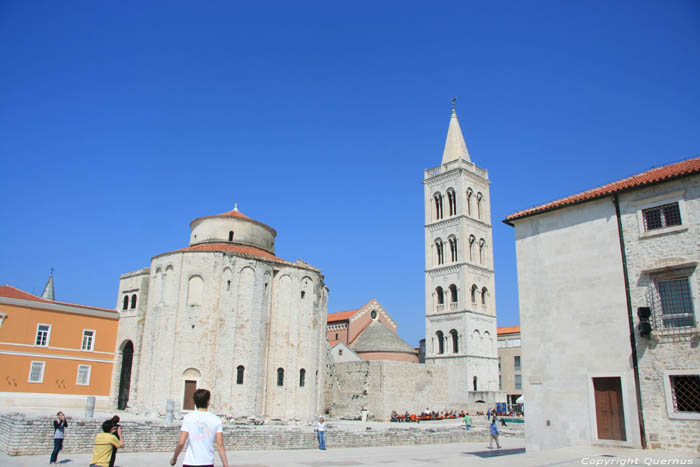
[(479, 196), (441, 342), (240, 370), (303, 294), (452, 202), (126, 303), (482, 244), (194, 290), (472, 239), (280, 376), (453, 249), (484, 295), (133, 301), (336, 336), (302, 377), (475, 290), (439, 250), (230, 236), (455, 341), (438, 206)]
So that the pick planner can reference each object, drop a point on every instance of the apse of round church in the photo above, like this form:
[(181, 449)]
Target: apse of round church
[(225, 314)]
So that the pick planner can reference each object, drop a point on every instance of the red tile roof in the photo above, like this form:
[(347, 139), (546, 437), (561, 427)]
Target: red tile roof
[(660, 174), (508, 330), (7, 291), (345, 315), (333, 342), (233, 213), (241, 250)]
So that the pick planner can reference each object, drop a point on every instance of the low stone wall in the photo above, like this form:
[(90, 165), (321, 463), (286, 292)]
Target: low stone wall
[(23, 435)]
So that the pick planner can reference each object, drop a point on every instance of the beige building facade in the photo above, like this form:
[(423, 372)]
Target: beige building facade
[(510, 376), (608, 282), (226, 314)]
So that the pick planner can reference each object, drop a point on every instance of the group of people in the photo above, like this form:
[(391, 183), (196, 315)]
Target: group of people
[(201, 431), (426, 414)]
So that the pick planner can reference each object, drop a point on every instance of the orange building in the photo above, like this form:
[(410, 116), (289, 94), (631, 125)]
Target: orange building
[(370, 333), (54, 354)]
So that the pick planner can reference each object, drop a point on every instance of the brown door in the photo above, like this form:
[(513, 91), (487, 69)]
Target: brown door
[(608, 408), (190, 388)]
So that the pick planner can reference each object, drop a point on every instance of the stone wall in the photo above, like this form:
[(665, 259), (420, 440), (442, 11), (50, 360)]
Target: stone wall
[(21, 435), (383, 386)]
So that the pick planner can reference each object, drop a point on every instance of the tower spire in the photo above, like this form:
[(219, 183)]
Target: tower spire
[(455, 147), (48, 293)]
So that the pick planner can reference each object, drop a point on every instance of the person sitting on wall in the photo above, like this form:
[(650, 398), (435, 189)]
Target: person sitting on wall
[(394, 416)]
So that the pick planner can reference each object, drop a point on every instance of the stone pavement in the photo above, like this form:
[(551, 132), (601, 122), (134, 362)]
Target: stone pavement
[(458, 454)]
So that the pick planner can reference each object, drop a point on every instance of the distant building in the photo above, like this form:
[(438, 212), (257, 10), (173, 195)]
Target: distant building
[(370, 333), (54, 354), (609, 288), (226, 314), (509, 363)]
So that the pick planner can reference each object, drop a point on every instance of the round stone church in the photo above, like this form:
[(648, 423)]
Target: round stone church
[(227, 315)]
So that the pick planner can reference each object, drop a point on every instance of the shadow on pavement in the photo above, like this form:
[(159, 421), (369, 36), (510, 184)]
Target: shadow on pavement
[(496, 452)]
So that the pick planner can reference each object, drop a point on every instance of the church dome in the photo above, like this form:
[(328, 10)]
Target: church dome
[(232, 227)]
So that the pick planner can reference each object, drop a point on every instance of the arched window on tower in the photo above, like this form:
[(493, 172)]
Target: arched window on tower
[(440, 296), (484, 296), (475, 291), (482, 253), (453, 249), (453, 296), (280, 376), (230, 236), (455, 341), (472, 239), (302, 377), (439, 250), (479, 197), (438, 206), (469, 201), (126, 303), (133, 301), (240, 370), (452, 202), (440, 341)]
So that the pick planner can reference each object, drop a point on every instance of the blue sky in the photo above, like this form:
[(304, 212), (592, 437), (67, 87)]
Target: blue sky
[(120, 122)]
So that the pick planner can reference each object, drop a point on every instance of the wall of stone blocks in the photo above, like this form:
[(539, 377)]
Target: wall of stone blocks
[(383, 386), (21, 435)]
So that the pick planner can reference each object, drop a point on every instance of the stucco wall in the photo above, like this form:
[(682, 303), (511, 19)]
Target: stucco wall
[(573, 323)]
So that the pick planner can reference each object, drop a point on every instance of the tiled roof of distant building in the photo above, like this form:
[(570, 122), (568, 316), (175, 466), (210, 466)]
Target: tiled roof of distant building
[(508, 330), (8, 291), (650, 177), (345, 315)]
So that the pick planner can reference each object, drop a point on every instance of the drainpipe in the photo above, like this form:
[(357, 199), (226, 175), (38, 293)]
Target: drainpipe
[(630, 319)]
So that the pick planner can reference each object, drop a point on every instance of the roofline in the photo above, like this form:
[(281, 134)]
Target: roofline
[(535, 211), (246, 218), (62, 307)]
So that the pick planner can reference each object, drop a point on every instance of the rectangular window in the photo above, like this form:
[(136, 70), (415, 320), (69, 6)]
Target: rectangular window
[(661, 216), (42, 335), (500, 383), (685, 391), (83, 378), (499, 363), (676, 303), (516, 363), (518, 381), (88, 340), (36, 372)]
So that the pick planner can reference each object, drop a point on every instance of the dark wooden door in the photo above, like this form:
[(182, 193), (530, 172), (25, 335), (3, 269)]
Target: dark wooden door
[(610, 419), (190, 388)]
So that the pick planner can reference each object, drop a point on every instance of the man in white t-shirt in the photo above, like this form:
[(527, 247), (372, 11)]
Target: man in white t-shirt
[(200, 428)]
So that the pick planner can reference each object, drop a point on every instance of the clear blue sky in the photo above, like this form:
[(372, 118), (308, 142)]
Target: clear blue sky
[(120, 122)]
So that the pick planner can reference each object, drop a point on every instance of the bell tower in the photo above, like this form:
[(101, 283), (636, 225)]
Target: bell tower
[(460, 305)]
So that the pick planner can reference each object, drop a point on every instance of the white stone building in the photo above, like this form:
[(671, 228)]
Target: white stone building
[(228, 315), (590, 266), (460, 305)]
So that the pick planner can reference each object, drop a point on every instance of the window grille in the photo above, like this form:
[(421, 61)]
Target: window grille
[(675, 303), (685, 390), (36, 372), (661, 216), (83, 375)]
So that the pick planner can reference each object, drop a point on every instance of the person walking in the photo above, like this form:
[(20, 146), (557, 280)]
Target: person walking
[(202, 429), (467, 422), (494, 434), (59, 433), (321, 433), (105, 442)]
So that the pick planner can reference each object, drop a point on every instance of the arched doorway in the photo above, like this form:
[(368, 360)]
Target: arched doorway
[(125, 376)]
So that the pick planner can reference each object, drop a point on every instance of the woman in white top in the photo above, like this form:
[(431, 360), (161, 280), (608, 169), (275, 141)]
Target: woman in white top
[(321, 433)]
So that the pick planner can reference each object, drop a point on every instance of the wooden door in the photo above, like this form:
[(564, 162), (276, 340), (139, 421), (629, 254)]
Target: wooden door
[(610, 418), (190, 388)]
